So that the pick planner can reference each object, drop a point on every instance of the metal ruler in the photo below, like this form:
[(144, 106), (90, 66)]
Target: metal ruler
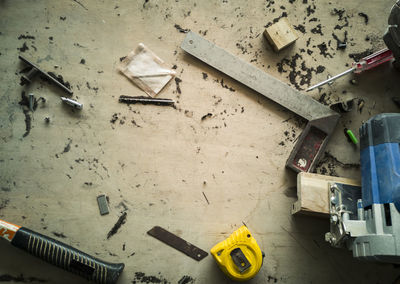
[(177, 243), (321, 119)]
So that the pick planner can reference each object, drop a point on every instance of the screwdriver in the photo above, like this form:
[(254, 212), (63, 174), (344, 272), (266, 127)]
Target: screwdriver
[(365, 63)]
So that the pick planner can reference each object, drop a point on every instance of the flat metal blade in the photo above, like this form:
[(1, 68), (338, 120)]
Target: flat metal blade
[(177, 243)]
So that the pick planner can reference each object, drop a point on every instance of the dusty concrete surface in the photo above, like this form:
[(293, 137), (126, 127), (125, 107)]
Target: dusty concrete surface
[(156, 162)]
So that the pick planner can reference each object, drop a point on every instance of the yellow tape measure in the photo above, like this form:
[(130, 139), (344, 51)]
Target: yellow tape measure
[(239, 256)]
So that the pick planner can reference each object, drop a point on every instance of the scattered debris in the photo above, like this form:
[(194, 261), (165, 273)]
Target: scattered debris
[(332, 162), (205, 76), (80, 4), (354, 82), (365, 16), (115, 228), (28, 120), (68, 146), (298, 77), (47, 119), (23, 48), (206, 116), (26, 37), (360, 55), (114, 118), (186, 279), (226, 86), (323, 50), (140, 277), (144, 3), (180, 29), (300, 28), (284, 14), (63, 18), (341, 18), (59, 235), (83, 61), (317, 30), (206, 198), (177, 82)]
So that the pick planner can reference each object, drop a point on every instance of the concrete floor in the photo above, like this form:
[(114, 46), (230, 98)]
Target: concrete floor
[(156, 162)]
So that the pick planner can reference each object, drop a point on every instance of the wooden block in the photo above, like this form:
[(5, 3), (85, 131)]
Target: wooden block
[(313, 191), (280, 34)]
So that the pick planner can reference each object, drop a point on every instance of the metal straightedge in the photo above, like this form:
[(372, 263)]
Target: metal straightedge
[(321, 119), (177, 243)]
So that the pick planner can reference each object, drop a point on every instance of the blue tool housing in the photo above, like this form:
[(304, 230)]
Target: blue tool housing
[(380, 160)]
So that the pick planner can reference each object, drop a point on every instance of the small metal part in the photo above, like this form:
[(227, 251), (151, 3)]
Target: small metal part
[(27, 78), (342, 107), (145, 100), (103, 204), (73, 103), (31, 101), (240, 260), (331, 79), (342, 45), (345, 209), (177, 243), (47, 119)]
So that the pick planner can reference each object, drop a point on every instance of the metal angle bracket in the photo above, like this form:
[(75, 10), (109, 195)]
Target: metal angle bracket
[(321, 119), (177, 243)]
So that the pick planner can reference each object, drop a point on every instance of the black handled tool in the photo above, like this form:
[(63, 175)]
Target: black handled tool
[(60, 254)]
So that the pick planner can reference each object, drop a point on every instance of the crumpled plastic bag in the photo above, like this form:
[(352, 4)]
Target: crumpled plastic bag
[(146, 70)]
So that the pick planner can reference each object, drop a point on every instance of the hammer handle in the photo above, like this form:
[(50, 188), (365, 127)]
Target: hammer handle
[(67, 257)]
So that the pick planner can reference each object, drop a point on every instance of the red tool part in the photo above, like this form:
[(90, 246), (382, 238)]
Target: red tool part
[(365, 63)]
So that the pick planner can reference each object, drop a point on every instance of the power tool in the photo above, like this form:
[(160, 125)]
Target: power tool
[(239, 256), (367, 221)]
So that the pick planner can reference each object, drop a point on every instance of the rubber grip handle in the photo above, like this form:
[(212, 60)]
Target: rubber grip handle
[(67, 257)]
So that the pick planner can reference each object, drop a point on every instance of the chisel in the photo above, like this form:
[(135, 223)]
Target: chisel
[(60, 254)]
